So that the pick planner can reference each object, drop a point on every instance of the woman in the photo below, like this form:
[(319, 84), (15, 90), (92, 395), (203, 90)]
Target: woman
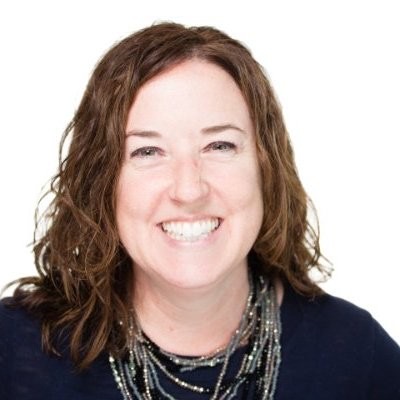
[(176, 256)]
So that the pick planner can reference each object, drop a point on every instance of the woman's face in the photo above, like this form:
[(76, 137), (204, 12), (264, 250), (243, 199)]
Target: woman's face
[(189, 203)]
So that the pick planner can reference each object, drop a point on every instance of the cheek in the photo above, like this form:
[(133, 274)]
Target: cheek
[(134, 198), (240, 185)]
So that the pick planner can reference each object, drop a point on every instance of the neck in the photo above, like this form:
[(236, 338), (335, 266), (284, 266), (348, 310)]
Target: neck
[(191, 321)]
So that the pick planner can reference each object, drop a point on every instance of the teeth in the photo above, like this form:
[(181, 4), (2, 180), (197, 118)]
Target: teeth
[(190, 231)]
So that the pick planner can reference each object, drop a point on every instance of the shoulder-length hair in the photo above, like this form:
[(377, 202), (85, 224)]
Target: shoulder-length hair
[(85, 275)]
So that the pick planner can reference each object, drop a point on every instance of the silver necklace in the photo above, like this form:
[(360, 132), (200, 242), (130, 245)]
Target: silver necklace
[(138, 375)]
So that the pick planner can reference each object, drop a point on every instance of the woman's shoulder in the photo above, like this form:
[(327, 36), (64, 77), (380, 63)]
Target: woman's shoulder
[(19, 329), (327, 311), (337, 319), (333, 310), (346, 319), (327, 336), (20, 348), (11, 312), (17, 324), (28, 372)]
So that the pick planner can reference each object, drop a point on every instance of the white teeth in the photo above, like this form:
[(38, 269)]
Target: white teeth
[(190, 231)]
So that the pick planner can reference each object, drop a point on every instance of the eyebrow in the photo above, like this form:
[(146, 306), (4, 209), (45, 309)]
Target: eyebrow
[(220, 128), (143, 133), (209, 130)]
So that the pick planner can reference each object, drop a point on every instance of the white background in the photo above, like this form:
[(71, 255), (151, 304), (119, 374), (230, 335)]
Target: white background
[(336, 69)]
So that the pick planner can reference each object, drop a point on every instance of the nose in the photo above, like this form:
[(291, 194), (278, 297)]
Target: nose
[(188, 185)]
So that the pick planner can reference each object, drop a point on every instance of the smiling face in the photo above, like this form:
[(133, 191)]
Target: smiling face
[(189, 202)]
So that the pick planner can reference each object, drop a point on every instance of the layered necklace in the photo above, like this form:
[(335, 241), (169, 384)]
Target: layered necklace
[(138, 375)]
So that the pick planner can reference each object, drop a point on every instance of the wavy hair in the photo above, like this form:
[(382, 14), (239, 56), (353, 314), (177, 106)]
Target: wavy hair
[(83, 288)]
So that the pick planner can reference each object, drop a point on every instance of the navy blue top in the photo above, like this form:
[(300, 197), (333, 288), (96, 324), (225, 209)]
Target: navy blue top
[(331, 349)]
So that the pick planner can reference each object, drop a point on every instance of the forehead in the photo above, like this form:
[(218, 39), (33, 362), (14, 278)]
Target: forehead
[(192, 92)]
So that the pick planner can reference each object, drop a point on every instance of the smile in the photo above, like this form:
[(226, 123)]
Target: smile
[(190, 231)]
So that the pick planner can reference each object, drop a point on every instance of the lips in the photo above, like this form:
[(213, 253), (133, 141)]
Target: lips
[(190, 231)]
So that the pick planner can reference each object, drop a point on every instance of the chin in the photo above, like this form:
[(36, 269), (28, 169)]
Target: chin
[(197, 276), (191, 279)]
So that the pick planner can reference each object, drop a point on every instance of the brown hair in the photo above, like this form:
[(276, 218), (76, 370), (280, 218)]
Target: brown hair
[(83, 288)]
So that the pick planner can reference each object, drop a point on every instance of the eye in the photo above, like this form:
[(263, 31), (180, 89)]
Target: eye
[(145, 152), (221, 146)]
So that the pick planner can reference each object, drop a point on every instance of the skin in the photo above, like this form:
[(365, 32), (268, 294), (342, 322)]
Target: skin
[(189, 155)]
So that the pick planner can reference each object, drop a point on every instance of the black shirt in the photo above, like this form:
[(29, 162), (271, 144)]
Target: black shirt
[(331, 349)]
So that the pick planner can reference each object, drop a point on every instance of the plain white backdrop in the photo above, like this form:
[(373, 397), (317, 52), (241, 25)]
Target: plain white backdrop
[(335, 66)]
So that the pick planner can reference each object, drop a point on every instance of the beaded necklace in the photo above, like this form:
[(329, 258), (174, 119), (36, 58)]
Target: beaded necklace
[(137, 375)]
